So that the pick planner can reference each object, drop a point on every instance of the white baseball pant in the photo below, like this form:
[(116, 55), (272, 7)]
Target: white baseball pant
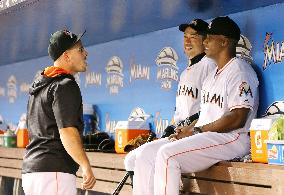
[(159, 164), (49, 183), (130, 158)]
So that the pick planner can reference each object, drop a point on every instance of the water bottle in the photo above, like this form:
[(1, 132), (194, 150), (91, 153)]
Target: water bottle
[(88, 117), (22, 133)]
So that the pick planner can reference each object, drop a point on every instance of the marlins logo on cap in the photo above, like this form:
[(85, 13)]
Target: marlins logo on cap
[(194, 22), (224, 26), (197, 24), (209, 25), (68, 33), (60, 41)]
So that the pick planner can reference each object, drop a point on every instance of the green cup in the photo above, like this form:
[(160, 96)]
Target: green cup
[(1, 139), (10, 141)]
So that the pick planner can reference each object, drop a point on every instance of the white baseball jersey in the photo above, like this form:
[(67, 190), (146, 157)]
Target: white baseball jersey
[(187, 97), (234, 86), (189, 88)]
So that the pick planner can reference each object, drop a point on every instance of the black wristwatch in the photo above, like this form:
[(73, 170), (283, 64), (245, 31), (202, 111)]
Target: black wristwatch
[(196, 130)]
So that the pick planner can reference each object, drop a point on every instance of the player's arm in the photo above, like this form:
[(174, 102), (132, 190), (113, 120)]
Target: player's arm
[(242, 95), (72, 143), (66, 105), (232, 120), (182, 132)]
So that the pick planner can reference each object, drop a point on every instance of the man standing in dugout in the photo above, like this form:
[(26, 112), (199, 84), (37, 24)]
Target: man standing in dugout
[(229, 102), (55, 123)]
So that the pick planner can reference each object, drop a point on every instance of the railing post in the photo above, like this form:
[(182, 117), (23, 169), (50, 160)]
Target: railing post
[(2, 185), (17, 188)]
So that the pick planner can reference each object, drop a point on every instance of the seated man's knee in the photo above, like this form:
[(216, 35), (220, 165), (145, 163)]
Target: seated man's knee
[(129, 161), (164, 152), (145, 154)]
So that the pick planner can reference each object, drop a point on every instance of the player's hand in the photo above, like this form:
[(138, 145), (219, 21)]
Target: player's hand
[(185, 132), (89, 179), (178, 129), (173, 137)]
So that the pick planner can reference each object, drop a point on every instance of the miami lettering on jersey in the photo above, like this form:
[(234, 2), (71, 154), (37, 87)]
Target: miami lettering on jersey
[(187, 91), (213, 99)]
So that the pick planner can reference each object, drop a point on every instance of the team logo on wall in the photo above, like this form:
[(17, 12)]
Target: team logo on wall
[(109, 124), (114, 74), (12, 89), (24, 87), (160, 123), (167, 67), (276, 107), (138, 114), (4, 4), (93, 78), (273, 51), (138, 71), (243, 49)]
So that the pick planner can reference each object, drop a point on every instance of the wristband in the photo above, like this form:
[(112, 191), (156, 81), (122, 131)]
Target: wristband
[(196, 130)]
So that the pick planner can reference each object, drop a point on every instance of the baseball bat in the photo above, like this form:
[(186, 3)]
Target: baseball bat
[(122, 182)]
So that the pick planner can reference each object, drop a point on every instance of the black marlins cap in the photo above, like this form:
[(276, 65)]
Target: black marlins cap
[(224, 26), (197, 24), (60, 41)]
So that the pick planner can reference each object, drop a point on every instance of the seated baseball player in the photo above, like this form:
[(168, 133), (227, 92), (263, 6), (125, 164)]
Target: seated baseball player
[(229, 101), (191, 79)]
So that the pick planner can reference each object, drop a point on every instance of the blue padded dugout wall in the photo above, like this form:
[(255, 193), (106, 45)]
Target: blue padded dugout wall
[(140, 82)]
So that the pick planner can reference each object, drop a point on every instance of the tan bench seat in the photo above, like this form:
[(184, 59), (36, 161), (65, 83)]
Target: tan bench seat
[(236, 178)]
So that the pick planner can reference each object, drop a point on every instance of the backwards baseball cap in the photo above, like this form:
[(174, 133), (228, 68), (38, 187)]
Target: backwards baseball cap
[(197, 24), (60, 41), (224, 26)]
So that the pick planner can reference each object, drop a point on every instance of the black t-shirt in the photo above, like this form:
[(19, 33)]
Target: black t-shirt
[(54, 103)]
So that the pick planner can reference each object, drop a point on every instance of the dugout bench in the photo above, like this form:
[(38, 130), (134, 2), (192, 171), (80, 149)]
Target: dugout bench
[(108, 169), (236, 178), (222, 178)]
